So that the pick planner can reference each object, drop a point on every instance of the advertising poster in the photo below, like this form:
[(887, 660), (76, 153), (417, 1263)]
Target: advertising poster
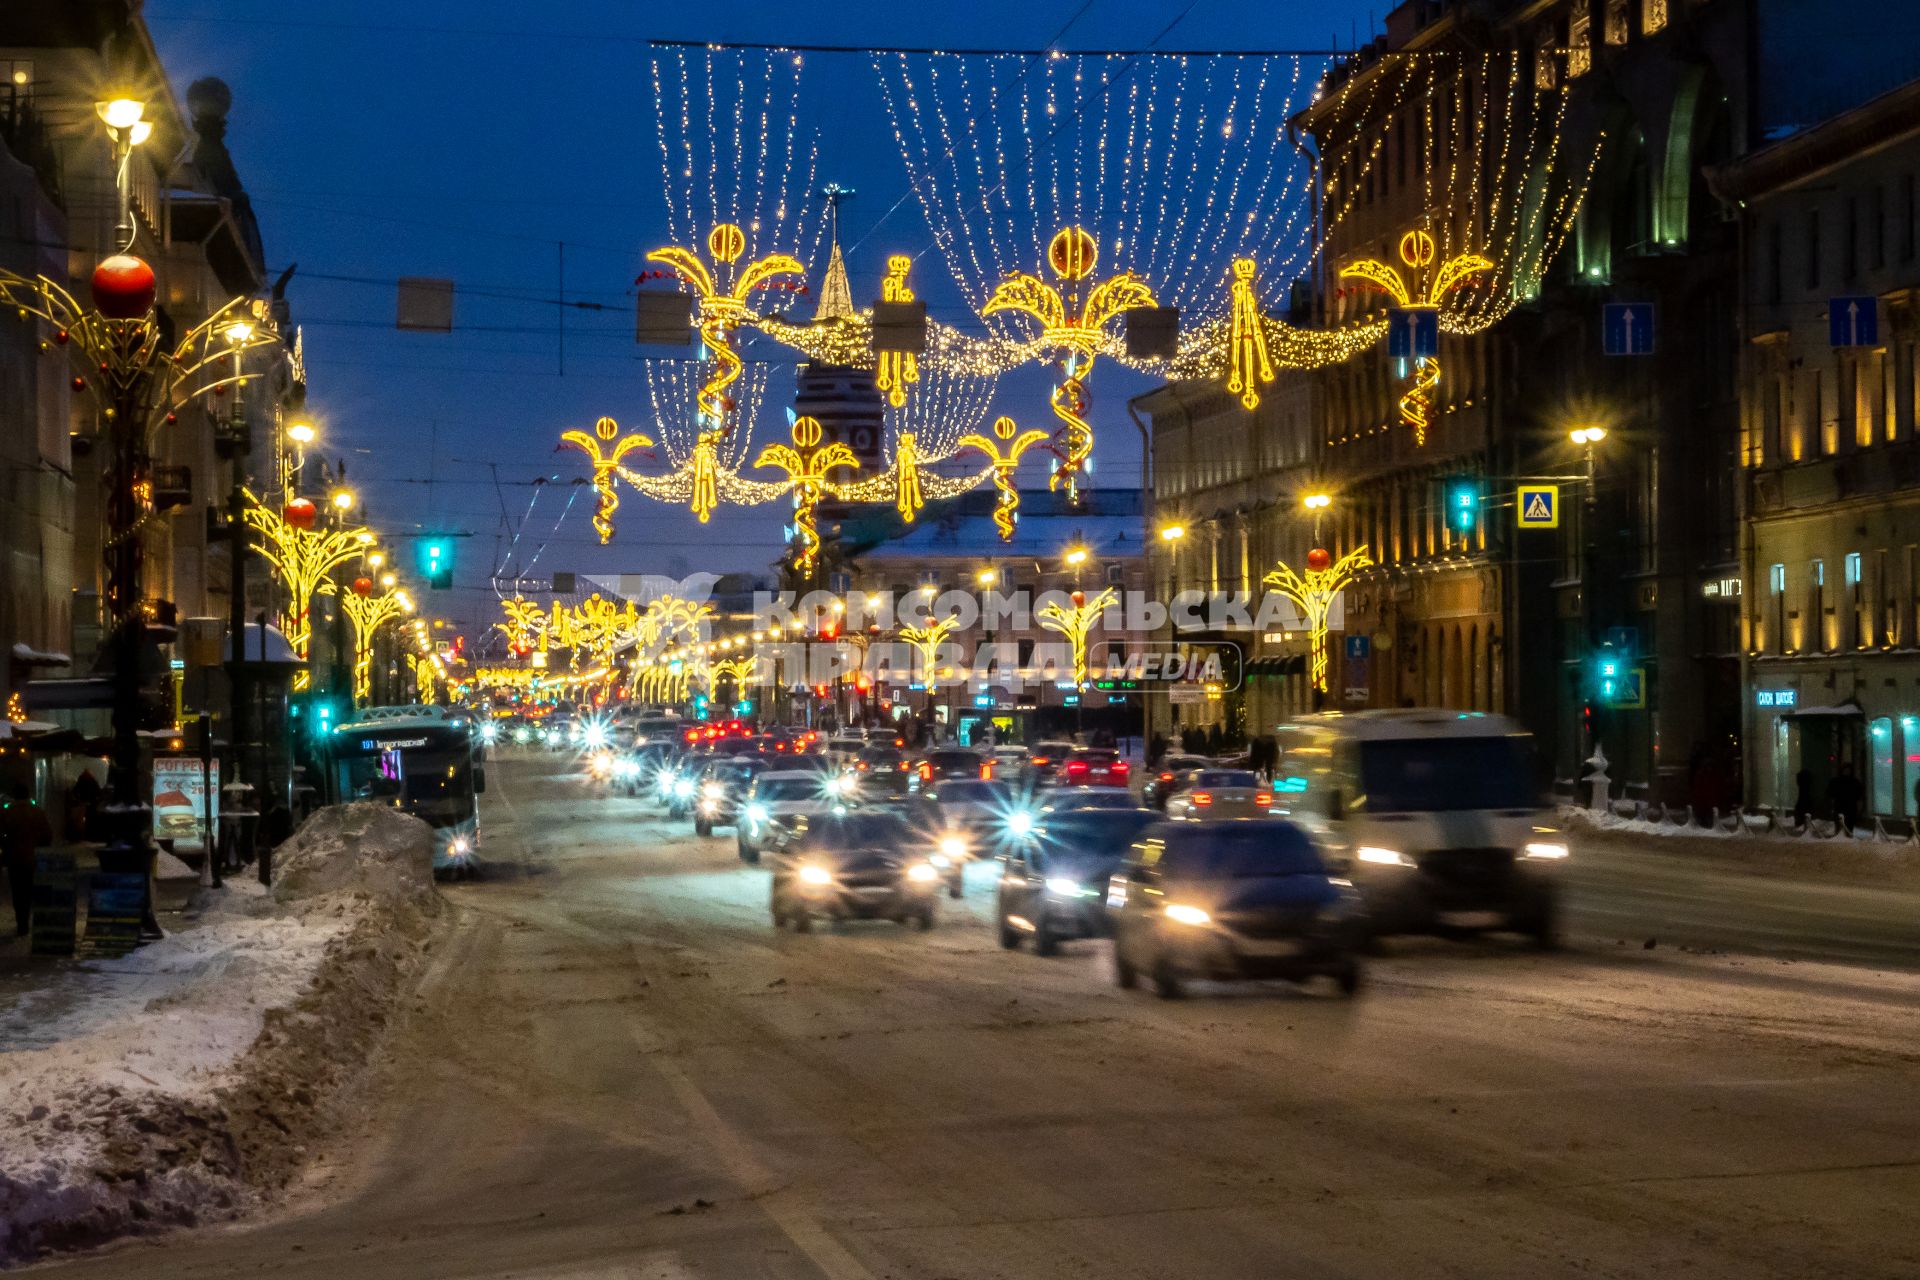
[(180, 793)]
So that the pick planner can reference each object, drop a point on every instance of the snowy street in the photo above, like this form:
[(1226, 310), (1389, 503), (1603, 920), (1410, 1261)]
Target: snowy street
[(616, 1067)]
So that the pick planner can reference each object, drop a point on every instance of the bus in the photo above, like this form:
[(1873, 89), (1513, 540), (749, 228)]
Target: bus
[(423, 763)]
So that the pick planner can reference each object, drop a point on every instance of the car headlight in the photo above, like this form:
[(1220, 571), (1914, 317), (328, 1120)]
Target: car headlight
[(1020, 824), (683, 787), (1061, 887), (594, 735), (1382, 857), (489, 734), (521, 735), (1545, 849), (713, 790), (811, 874), (839, 784), (1181, 913), (954, 847), (758, 812), (922, 872), (939, 859)]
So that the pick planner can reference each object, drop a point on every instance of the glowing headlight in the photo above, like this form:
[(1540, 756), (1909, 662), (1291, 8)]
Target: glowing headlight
[(709, 808), (1545, 849), (758, 812), (459, 846), (953, 846), (1020, 824), (1061, 887), (940, 860), (489, 734), (810, 874), (1382, 857), (683, 787), (839, 784), (594, 735), (922, 872), (713, 790), (522, 735), (626, 768), (1181, 913)]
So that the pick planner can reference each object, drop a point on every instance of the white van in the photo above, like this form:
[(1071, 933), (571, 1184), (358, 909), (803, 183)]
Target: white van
[(1434, 815)]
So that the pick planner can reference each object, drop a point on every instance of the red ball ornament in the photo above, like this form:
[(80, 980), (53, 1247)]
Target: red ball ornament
[(172, 418), (363, 586), (300, 513), (79, 384), (123, 287), (62, 337), (1079, 597), (1318, 559), (220, 389)]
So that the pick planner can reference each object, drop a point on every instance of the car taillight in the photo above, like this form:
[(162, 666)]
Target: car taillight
[(1263, 798), (1120, 767), (986, 773), (1202, 799), (1166, 777), (1076, 768), (1040, 760), (926, 771)]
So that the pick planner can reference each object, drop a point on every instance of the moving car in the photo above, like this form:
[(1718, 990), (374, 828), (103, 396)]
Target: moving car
[(1207, 794), (879, 772), (1434, 814), (1093, 767), (943, 763), (966, 820), (723, 789), (1248, 898), (1044, 761), (1054, 885), (864, 864), (773, 800), (1160, 782)]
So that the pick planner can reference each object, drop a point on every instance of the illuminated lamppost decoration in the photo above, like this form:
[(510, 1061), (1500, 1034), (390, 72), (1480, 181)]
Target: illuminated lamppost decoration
[(1249, 361), (1078, 334), (1005, 461), (604, 449), (1075, 623), (722, 308), (302, 557), (525, 627), (808, 466), (1314, 593), (926, 642), (894, 370), (368, 613), (1417, 252)]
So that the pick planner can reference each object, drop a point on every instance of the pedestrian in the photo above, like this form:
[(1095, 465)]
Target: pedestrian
[(1844, 793), (23, 829), (1802, 796), (1157, 751), (1213, 739), (82, 799)]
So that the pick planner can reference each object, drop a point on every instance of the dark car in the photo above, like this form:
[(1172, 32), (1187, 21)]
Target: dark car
[(1247, 898), (1054, 885), (963, 820), (1093, 767), (1044, 761), (944, 763), (862, 865), (723, 790), (1160, 782), (879, 772)]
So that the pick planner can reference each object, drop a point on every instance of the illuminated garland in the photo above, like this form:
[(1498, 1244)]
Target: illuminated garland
[(1250, 363), (368, 613), (1417, 252), (606, 462), (1006, 511), (1075, 623), (907, 482), (897, 369), (1314, 593), (1071, 254), (302, 557), (808, 468), (926, 641)]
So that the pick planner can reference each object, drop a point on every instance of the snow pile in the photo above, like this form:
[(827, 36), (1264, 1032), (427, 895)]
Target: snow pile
[(172, 1108), (1758, 850)]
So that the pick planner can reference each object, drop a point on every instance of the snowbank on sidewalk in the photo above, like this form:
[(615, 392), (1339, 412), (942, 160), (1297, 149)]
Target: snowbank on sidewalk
[(186, 1106), (1777, 853)]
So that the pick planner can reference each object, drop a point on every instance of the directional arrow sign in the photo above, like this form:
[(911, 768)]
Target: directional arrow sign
[(1853, 321), (1627, 329)]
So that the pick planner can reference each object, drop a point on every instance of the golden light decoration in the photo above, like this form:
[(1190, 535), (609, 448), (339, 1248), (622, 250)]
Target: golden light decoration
[(1075, 622), (1249, 362), (1005, 462), (1079, 333), (925, 642), (809, 468), (301, 559), (1314, 593), (604, 449), (895, 370), (526, 624), (909, 483), (722, 309), (1417, 252), (368, 614)]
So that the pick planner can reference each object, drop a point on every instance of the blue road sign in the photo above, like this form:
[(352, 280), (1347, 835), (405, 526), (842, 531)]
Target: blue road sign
[(1853, 322), (1539, 506), (1627, 328), (1359, 647), (1413, 333)]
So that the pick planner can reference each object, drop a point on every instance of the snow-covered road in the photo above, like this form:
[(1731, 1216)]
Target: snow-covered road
[(618, 1068)]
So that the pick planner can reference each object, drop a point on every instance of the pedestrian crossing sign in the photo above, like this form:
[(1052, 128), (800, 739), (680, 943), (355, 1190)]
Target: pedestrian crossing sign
[(1539, 506)]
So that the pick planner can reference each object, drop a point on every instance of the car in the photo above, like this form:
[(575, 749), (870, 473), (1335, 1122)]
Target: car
[(843, 747), (774, 799), (1245, 898), (864, 864), (651, 729), (723, 788), (966, 821), (1452, 836), (879, 772), (1078, 799), (1044, 761), (1093, 767), (1160, 781), (1008, 761), (1054, 885), (636, 771), (1206, 794), (940, 764)]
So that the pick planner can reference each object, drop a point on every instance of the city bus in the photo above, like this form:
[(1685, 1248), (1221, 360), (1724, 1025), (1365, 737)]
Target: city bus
[(423, 763)]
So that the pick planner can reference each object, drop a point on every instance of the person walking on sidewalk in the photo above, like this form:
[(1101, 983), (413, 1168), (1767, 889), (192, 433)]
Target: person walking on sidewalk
[(23, 829)]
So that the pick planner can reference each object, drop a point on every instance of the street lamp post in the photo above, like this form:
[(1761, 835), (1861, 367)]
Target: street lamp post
[(1585, 439)]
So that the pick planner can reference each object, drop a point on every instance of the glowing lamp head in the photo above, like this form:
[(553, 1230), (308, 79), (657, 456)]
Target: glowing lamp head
[(342, 499), (1316, 502), (300, 513), (1077, 556), (302, 433), (121, 113), (1173, 532), (1318, 559), (123, 287)]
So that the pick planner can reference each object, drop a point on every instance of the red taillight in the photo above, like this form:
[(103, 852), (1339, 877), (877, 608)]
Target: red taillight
[(862, 766), (1263, 798), (1041, 760), (986, 773), (926, 771), (1076, 768), (1166, 777), (903, 766), (1202, 799), (1120, 767)]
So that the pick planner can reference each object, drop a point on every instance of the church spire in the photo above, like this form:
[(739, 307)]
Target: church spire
[(836, 295)]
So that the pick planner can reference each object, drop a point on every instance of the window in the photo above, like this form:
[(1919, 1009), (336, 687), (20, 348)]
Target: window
[(1580, 40), (1116, 574), (1824, 435), (1773, 263), (1907, 213), (1618, 20), (1880, 766), (1777, 586), (1857, 627), (1877, 228), (1813, 249), (1653, 16), (1886, 616), (1850, 241), (1816, 627)]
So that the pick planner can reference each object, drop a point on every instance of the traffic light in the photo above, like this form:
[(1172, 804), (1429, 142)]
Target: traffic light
[(1608, 670), (1463, 503), (436, 563)]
